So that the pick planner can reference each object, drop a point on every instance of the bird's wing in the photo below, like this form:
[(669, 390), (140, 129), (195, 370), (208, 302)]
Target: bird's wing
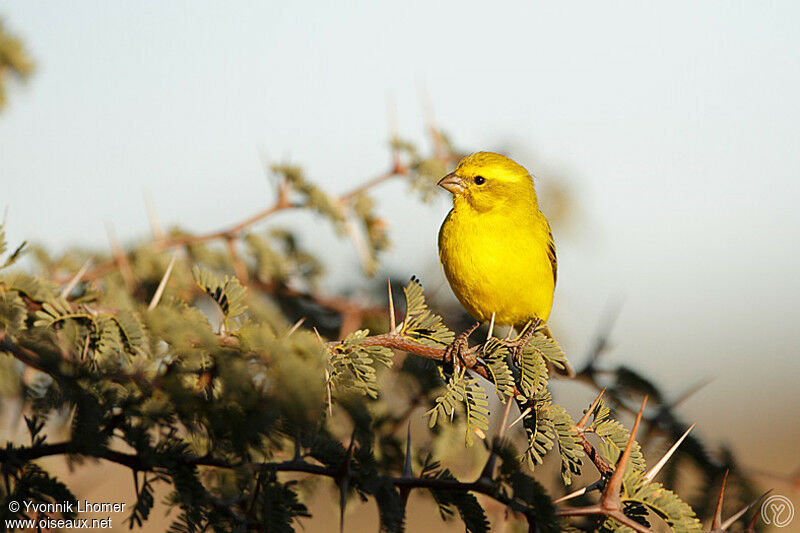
[(551, 252)]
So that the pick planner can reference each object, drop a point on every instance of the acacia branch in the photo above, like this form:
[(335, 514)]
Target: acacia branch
[(281, 204), (134, 462), (234, 231), (398, 169), (397, 341)]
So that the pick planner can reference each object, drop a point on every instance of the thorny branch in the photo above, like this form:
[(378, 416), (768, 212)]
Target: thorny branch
[(611, 477), (352, 311), (399, 342), (483, 485), (610, 480), (282, 203)]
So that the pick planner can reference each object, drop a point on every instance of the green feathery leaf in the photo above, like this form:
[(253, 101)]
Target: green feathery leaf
[(665, 503), (353, 365), (466, 390), (420, 323), (549, 349), (495, 356), (569, 445), (532, 372), (227, 292)]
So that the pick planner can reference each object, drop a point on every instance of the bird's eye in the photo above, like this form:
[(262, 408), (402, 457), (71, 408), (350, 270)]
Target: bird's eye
[(479, 180)]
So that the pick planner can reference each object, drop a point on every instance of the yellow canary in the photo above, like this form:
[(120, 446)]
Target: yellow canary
[(495, 244)]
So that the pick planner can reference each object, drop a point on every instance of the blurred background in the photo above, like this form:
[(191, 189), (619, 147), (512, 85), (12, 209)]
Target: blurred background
[(663, 138)]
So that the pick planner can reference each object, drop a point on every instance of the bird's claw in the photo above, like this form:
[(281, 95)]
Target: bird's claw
[(515, 346), (458, 353)]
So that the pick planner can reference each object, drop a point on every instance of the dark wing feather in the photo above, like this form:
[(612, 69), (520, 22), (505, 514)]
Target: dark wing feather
[(551, 253)]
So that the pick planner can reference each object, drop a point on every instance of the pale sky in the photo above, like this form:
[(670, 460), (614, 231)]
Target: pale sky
[(677, 124)]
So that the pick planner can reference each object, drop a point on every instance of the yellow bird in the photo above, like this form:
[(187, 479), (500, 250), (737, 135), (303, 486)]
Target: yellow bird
[(495, 244)]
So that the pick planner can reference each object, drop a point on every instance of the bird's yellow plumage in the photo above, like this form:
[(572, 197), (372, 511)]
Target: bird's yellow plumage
[(495, 244)]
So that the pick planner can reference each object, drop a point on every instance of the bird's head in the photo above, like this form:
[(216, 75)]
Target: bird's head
[(486, 180)]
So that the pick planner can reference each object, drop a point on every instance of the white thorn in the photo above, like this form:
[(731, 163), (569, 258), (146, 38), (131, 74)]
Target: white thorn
[(491, 329), (391, 307), (660, 464), (729, 522), (520, 417), (328, 387), (75, 279), (571, 495), (319, 337), (296, 325), (506, 411), (152, 215), (163, 283)]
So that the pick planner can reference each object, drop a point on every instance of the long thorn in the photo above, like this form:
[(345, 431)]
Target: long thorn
[(751, 525), (319, 337), (580, 511), (717, 522), (491, 329), (392, 324), (152, 215), (651, 474), (585, 418), (579, 492), (522, 415), (328, 387), (506, 412), (76, 278), (729, 522), (611, 494), (327, 374), (163, 283), (571, 495), (295, 326)]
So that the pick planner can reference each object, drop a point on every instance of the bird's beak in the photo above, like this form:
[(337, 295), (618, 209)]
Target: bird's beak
[(452, 183)]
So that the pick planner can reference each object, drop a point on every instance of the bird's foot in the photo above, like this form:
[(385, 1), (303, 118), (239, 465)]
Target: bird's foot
[(458, 353), (515, 346)]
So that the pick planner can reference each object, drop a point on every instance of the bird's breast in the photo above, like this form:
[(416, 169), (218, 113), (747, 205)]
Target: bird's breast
[(498, 264)]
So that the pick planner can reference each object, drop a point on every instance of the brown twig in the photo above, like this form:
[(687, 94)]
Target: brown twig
[(610, 504), (396, 341), (283, 202)]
